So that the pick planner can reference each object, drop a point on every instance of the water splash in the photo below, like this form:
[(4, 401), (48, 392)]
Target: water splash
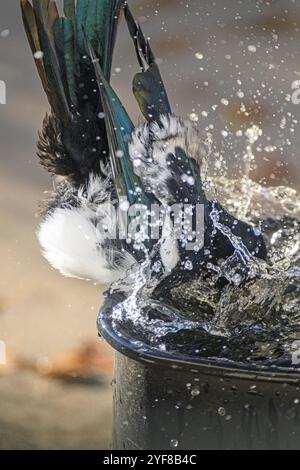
[(247, 309)]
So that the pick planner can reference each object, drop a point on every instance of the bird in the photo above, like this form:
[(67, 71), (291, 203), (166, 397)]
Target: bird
[(103, 165)]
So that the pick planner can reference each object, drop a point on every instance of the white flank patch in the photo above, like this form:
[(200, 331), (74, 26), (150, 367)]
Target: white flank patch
[(69, 242), (72, 243)]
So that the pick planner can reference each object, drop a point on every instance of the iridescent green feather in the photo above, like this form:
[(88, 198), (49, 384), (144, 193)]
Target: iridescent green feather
[(70, 10), (119, 130), (64, 39), (68, 78)]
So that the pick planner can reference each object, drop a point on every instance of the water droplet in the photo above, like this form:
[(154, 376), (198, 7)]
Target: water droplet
[(194, 117), (5, 33), (237, 279), (119, 153), (157, 266), (188, 265), (221, 411), (195, 391), (38, 55), (174, 443), (224, 101)]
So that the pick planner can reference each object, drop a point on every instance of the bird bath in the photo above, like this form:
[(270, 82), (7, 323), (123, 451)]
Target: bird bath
[(210, 366), (171, 401)]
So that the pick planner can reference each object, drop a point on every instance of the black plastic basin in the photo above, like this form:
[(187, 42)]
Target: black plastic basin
[(164, 402)]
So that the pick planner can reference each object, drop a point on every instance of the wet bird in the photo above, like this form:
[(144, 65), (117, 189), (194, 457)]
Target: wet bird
[(103, 165)]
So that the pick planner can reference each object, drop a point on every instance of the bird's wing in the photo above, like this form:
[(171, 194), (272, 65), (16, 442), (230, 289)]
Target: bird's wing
[(119, 130)]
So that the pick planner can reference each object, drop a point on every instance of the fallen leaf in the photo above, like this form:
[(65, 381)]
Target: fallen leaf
[(91, 362)]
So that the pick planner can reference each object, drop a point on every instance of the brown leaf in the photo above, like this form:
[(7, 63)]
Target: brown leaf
[(90, 361)]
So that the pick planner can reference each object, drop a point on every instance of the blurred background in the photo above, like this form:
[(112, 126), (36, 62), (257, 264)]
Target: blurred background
[(228, 64)]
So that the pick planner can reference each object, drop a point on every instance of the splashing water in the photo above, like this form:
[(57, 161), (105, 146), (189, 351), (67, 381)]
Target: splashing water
[(257, 321)]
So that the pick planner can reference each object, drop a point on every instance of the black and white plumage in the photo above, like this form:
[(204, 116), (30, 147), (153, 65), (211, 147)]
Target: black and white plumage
[(90, 143), (76, 230), (150, 149)]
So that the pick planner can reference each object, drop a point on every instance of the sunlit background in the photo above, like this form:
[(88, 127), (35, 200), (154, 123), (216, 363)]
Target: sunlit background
[(228, 64)]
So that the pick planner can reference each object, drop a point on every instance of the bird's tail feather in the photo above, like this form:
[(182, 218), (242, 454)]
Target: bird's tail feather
[(39, 20), (61, 41), (148, 86), (58, 44)]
